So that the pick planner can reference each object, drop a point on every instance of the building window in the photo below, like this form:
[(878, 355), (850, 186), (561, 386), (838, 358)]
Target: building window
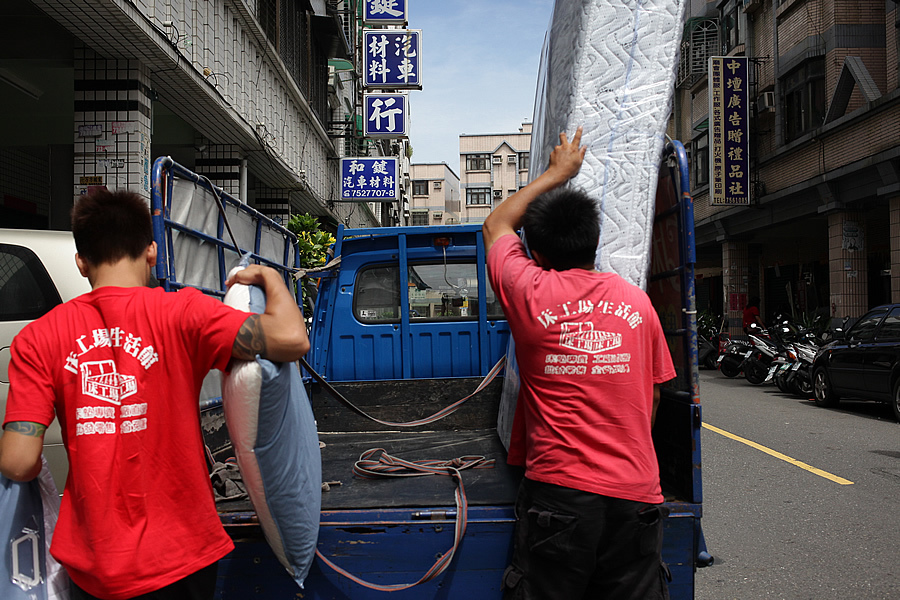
[(732, 33), (524, 161), (478, 162), (420, 188), (804, 99), (478, 196), (700, 160), (419, 217)]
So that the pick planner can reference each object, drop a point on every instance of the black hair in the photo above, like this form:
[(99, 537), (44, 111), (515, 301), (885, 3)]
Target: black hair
[(109, 226), (564, 227)]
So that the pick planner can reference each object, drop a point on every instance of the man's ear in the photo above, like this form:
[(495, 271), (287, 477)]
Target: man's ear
[(152, 251), (81, 264)]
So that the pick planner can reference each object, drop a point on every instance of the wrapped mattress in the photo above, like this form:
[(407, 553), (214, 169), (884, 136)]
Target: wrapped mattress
[(610, 67)]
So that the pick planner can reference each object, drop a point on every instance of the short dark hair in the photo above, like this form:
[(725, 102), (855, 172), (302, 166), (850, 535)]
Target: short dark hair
[(109, 226), (564, 227)]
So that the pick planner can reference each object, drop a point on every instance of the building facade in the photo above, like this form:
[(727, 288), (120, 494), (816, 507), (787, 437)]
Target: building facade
[(492, 167), (435, 195), (261, 96), (821, 234)]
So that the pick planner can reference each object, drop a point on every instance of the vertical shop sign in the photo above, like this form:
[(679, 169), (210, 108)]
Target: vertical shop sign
[(385, 12), (729, 139), (391, 58), (386, 115), (369, 179)]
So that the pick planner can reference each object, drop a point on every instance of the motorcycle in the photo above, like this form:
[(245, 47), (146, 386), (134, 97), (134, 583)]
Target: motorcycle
[(731, 361), (710, 341), (793, 375), (756, 365)]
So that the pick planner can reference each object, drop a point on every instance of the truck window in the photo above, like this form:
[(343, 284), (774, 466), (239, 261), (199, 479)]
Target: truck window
[(436, 292), (26, 290)]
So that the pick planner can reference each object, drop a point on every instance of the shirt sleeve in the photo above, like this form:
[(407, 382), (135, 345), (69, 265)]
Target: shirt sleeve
[(663, 368), (31, 396), (507, 262), (212, 327)]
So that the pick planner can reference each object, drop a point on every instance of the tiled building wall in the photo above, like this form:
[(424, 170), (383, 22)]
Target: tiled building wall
[(798, 21), (894, 207), (275, 204), (892, 45), (735, 282), (763, 45), (221, 163), (877, 132), (24, 184), (233, 55), (111, 124), (847, 264)]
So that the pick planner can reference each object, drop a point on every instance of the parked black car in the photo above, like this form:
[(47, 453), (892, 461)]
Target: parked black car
[(863, 363)]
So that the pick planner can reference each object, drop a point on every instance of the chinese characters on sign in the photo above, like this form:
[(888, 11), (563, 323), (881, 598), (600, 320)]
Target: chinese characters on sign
[(386, 115), (385, 12), (729, 142), (391, 58), (369, 179)]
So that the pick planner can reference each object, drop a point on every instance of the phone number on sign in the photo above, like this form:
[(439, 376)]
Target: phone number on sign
[(369, 194)]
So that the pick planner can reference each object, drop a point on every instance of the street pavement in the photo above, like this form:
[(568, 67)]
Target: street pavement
[(805, 503)]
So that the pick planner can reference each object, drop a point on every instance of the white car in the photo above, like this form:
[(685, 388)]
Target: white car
[(37, 272)]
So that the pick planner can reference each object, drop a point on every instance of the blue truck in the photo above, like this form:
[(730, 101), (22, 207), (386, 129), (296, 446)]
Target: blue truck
[(405, 324)]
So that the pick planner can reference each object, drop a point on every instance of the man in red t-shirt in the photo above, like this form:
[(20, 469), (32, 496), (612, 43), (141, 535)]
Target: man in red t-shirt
[(591, 356), (121, 367)]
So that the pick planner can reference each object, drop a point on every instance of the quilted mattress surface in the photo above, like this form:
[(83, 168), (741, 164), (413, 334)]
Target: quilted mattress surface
[(610, 66)]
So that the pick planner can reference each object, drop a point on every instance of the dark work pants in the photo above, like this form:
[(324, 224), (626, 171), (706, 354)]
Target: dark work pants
[(572, 545), (200, 585)]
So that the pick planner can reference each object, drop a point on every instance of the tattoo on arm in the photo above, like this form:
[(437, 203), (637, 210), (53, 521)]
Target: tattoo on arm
[(250, 340), (26, 428)]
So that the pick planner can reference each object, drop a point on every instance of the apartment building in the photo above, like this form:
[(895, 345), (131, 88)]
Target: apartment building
[(492, 167), (260, 96), (435, 195), (821, 232)]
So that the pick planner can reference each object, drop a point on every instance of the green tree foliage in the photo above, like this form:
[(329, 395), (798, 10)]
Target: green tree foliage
[(312, 248)]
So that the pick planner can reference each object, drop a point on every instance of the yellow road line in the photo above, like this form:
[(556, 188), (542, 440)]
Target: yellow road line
[(781, 456)]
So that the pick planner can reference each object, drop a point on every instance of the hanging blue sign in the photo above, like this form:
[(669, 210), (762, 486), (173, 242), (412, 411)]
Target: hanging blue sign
[(729, 130), (365, 179), (391, 58), (385, 12), (386, 115)]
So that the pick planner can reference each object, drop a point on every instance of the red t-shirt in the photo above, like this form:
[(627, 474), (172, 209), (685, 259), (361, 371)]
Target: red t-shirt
[(122, 370), (590, 348), (750, 314)]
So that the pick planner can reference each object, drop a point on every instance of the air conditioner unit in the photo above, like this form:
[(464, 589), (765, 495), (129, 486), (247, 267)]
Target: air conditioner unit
[(438, 214), (437, 185), (497, 160), (765, 102), (512, 159), (498, 193)]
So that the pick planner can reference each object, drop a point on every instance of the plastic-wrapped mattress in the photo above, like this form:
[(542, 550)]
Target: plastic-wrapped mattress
[(610, 66)]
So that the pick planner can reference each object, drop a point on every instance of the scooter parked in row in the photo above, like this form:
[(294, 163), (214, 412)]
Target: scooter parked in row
[(711, 340)]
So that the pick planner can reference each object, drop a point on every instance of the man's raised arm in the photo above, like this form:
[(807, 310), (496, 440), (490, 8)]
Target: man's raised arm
[(565, 161), (279, 334)]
